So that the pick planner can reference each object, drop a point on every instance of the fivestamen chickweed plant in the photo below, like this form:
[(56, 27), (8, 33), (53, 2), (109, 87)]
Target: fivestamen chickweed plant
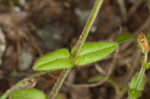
[(81, 54)]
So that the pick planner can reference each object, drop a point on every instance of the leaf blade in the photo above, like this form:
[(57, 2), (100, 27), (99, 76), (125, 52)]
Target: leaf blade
[(121, 38), (134, 91), (55, 60), (94, 51), (133, 82), (109, 80), (28, 94)]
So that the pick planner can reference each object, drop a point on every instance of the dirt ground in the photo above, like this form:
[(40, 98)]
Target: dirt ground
[(31, 28)]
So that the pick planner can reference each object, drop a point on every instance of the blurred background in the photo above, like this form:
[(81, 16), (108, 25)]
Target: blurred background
[(31, 28)]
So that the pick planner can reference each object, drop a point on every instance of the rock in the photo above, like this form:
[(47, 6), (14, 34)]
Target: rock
[(2, 44), (27, 58)]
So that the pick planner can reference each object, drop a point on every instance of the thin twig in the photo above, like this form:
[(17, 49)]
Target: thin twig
[(19, 84), (144, 26), (134, 7), (99, 69), (123, 9)]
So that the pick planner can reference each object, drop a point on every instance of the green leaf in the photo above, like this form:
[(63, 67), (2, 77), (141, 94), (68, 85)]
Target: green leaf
[(94, 51), (145, 65), (134, 89), (14, 87), (57, 97), (134, 94), (28, 94), (110, 81), (58, 59), (4, 96), (133, 83), (121, 38)]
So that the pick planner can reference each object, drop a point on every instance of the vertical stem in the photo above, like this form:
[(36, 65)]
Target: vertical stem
[(140, 77), (87, 27), (78, 46), (58, 84), (142, 72)]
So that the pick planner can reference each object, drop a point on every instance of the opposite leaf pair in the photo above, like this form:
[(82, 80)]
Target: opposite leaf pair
[(61, 58)]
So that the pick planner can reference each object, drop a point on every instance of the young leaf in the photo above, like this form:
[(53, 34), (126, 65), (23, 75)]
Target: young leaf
[(133, 83), (134, 94), (94, 51), (14, 87), (145, 65), (134, 89), (27, 94), (121, 38), (58, 59), (100, 78)]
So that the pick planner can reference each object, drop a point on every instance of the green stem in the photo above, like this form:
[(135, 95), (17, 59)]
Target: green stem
[(58, 84), (142, 72), (140, 77), (87, 27), (78, 46)]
